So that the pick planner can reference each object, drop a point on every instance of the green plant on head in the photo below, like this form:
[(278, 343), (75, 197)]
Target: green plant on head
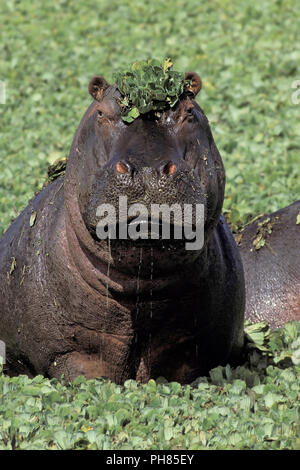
[(149, 85)]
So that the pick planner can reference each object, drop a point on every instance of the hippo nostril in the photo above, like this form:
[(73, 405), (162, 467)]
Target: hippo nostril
[(169, 169), (122, 168)]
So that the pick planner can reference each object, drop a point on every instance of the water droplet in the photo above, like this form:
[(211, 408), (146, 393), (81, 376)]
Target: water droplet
[(151, 279), (138, 282), (108, 270)]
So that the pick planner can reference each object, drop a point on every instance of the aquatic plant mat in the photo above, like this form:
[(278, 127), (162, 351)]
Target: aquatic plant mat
[(253, 406)]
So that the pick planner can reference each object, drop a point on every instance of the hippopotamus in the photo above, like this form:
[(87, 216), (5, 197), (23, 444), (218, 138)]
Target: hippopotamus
[(74, 304), (271, 258)]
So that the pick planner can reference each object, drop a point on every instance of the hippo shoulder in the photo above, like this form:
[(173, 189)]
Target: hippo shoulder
[(40, 204)]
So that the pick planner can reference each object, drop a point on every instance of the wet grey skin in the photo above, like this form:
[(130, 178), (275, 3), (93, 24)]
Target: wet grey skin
[(73, 304), (272, 272)]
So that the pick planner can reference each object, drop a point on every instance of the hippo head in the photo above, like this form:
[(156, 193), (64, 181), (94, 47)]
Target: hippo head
[(160, 158)]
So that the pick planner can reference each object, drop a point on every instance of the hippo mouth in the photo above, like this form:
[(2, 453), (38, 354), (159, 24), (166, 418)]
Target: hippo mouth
[(148, 233), (152, 228), (152, 255), (143, 229)]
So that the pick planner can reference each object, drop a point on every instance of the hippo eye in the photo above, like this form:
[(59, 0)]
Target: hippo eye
[(100, 114)]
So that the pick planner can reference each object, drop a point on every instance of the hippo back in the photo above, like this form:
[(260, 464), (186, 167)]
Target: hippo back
[(271, 257)]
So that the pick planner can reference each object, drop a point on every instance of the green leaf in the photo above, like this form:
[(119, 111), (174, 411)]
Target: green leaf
[(257, 335), (216, 375), (131, 115), (13, 265), (148, 86), (32, 219), (168, 431), (271, 398)]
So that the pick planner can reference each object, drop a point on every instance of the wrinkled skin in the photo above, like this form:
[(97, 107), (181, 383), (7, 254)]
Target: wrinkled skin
[(272, 273), (75, 305)]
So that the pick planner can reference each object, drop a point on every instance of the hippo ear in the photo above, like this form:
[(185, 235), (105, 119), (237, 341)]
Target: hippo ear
[(97, 86), (196, 84)]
